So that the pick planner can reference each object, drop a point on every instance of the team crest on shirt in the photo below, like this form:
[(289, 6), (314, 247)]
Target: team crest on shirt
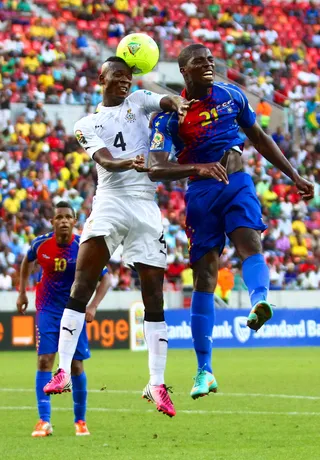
[(80, 137), (157, 142), (130, 117)]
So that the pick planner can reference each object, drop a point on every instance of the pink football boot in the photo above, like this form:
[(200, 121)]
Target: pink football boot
[(158, 394), (60, 383)]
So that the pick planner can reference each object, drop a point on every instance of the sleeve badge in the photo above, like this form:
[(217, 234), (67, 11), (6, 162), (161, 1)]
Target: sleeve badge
[(157, 142), (80, 137)]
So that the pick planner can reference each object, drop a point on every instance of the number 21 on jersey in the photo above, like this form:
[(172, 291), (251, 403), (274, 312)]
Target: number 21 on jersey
[(209, 116)]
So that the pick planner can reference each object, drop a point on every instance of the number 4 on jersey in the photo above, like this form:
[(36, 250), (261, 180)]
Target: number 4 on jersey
[(119, 141)]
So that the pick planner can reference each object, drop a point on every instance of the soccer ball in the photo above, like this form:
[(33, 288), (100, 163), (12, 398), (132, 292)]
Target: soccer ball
[(140, 52)]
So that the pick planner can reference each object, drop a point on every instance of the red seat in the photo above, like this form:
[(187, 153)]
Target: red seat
[(83, 25), (112, 42)]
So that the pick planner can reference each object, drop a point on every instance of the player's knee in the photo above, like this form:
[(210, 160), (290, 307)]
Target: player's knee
[(45, 363), (246, 252), (76, 367), (154, 301), (247, 242), (82, 289), (204, 280)]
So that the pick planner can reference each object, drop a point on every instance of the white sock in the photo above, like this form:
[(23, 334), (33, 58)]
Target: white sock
[(157, 340), (70, 329)]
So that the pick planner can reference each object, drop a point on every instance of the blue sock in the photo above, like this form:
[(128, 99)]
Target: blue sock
[(79, 393), (255, 274), (43, 400), (202, 319)]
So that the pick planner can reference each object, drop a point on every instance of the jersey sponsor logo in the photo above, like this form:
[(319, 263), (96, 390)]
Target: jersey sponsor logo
[(45, 256), (224, 105), (157, 142), (80, 137), (98, 126), (130, 117), (148, 93)]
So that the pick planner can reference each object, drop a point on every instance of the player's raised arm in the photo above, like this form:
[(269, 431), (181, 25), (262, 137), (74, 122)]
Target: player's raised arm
[(160, 168), (96, 148), (99, 295), (176, 104), (269, 149), (25, 271), (153, 102)]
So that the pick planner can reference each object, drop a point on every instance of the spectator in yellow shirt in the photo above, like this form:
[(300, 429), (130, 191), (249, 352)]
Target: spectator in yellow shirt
[(12, 203), (34, 150), (46, 79), (60, 56), (38, 129), (299, 249), (21, 193), (288, 50), (187, 277), (268, 197), (277, 51), (22, 127), (226, 19), (122, 6), (299, 226), (65, 174), (31, 62)]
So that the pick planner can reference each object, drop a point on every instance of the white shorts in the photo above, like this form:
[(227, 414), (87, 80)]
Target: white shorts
[(135, 222)]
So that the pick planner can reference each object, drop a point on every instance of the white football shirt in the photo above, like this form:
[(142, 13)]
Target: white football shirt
[(124, 130)]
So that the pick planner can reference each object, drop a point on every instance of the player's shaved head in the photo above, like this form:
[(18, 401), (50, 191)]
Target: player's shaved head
[(187, 53), (110, 61)]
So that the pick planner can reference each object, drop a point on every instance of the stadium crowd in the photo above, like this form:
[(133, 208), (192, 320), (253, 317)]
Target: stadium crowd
[(40, 164), (271, 46)]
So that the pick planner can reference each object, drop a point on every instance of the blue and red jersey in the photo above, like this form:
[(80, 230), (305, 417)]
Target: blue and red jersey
[(211, 126), (58, 263)]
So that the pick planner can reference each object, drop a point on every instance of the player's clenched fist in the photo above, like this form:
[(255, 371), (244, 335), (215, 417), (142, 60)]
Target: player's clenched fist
[(306, 188), (90, 313), (139, 164), (213, 171), (22, 303)]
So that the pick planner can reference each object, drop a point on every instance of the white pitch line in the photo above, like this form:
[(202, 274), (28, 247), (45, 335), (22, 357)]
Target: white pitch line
[(238, 395), (188, 412)]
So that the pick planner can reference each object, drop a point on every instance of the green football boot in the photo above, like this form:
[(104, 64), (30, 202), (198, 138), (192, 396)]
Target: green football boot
[(204, 383), (260, 314)]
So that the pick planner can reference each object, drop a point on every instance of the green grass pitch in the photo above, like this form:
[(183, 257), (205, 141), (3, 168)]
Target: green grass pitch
[(268, 408)]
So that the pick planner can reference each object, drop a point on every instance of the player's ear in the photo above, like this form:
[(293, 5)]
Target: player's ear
[(182, 70), (101, 79)]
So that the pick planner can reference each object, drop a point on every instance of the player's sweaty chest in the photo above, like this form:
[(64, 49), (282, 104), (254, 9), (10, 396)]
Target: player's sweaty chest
[(205, 120)]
